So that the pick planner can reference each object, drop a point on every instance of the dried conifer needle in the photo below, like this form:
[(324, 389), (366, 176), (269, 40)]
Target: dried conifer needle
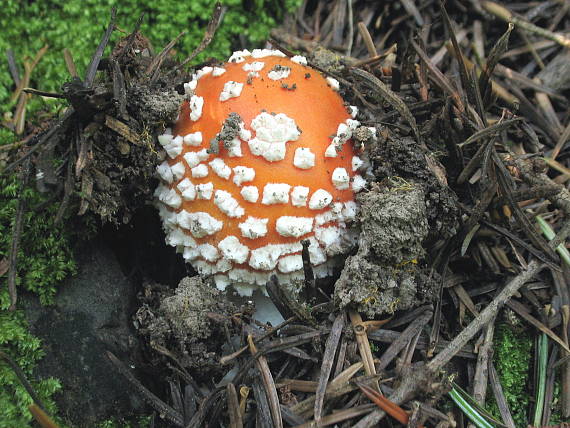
[(388, 406)]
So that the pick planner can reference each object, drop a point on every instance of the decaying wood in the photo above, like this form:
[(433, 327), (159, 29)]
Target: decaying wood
[(326, 367), (268, 384)]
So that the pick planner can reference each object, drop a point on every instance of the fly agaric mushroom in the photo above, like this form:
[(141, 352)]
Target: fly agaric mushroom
[(260, 159)]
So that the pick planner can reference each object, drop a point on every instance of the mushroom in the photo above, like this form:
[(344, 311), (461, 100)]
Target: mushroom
[(259, 159)]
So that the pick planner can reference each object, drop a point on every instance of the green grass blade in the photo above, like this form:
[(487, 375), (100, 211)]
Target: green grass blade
[(469, 411), (480, 409), (541, 378), (549, 233)]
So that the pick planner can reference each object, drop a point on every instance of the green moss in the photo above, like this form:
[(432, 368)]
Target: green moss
[(141, 422), (25, 350), (556, 417), (513, 352), (44, 259), (79, 24), (44, 256)]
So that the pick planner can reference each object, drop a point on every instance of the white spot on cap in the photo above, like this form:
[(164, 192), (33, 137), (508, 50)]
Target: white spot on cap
[(168, 217), (244, 280), (159, 190), (223, 265), (193, 139), (222, 281), (196, 105), (349, 210), (358, 183), (243, 174), (336, 209), (209, 252), (254, 228), (244, 134), (293, 226), (227, 204), (220, 168), (174, 148), (340, 179), (265, 258), (253, 66), (242, 275), (165, 139), (231, 90), (190, 253), (262, 53), (171, 198), (177, 237), (343, 132), (330, 239), (275, 193), (271, 152), (272, 132), (356, 163), (250, 76), (178, 170), (233, 250), (353, 111), (320, 199), (165, 172), (200, 171), (187, 189), (352, 124), (279, 72), (204, 191), (250, 193), (333, 83), (299, 196), (199, 224), (239, 56), (331, 152), (289, 264), (324, 218), (245, 289), (203, 154), (203, 267), (204, 71), (234, 148), (194, 158), (299, 59), (190, 87), (218, 71), (304, 158)]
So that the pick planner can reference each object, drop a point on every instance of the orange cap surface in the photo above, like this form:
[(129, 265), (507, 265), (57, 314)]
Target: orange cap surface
[(262, 123)]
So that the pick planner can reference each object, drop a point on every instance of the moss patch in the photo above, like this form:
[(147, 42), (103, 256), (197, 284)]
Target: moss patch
[(25, 350), (513, 352), (79, 24), (44, 259)]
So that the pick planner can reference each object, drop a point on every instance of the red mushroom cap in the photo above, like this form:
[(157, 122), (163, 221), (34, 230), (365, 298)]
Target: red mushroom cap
[(259, 159)]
